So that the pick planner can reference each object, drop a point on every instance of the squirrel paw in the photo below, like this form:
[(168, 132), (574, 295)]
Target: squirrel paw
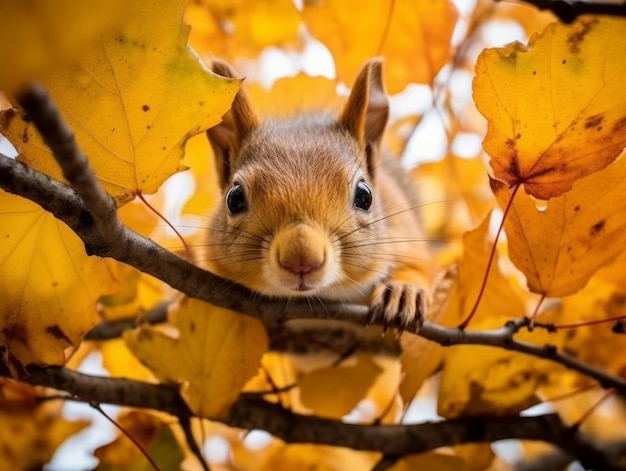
[(397, 304)]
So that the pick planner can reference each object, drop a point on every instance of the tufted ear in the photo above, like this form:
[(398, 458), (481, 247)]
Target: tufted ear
[(366, 112), (237, 123)]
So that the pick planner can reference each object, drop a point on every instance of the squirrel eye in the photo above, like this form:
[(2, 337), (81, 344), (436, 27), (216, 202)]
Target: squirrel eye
[(363, 196), (235, 200)]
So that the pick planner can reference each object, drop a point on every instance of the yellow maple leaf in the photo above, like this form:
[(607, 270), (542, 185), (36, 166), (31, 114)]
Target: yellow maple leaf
[(215, 353), (560, 246), (557, 108), (39, 36), (132, 102), (49, 285), (347, 385), (414, 37)]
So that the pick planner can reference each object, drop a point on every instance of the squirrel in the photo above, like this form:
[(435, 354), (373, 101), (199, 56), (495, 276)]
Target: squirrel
[(311, 207)]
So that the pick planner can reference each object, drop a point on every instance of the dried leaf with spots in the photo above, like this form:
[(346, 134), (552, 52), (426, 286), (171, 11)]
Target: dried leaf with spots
[(215, 353), (132, 101), (556, 108), (479, 380), (561, 245), (43, 265)]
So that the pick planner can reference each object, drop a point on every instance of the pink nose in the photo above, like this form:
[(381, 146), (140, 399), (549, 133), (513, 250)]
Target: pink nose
[(301, 267)]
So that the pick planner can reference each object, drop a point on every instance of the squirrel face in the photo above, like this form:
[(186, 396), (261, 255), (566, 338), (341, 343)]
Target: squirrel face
[(301, 214), (298, 211)]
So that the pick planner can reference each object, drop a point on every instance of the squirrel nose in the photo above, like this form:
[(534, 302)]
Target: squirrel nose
[(302, 267), (300, 249)]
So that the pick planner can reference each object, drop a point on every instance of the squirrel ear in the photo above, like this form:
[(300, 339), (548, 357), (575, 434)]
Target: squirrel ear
[(237, 123), (365, 114)]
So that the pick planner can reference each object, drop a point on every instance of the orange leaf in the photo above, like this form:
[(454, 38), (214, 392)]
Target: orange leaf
[(414, 37), (481, 380), (215, 353), (558, 248), (557, 108)]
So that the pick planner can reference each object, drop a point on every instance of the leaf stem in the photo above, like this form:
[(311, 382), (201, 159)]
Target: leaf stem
[(492, 254), (97, 407), (574, 325), (165, 220)]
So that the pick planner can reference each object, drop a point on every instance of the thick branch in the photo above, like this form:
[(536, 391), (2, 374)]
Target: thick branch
[(58, 136), (250, 412)]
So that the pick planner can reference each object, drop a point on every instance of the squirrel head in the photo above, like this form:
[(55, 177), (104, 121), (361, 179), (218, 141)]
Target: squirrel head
[(301, 213)]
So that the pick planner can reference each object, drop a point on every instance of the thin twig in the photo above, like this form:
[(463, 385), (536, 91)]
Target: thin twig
[(114, 329), (192, 444)]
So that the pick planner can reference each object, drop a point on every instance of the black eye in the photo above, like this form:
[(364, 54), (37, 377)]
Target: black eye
[(236, 200), (363, 196)]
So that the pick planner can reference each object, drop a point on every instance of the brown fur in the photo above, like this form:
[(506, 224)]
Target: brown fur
[(301, 234)]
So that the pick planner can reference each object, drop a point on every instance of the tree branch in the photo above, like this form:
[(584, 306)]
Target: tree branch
[(60, 139), (567, 12), (251, 412)]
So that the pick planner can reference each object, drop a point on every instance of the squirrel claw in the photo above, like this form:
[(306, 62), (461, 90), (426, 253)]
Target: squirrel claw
[(398, 304)]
